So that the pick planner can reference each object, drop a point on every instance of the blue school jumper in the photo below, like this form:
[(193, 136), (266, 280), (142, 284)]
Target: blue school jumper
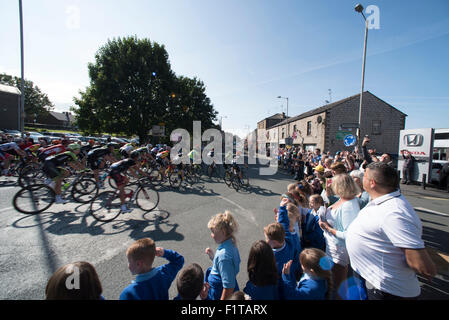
[(154, 285), (312, 234), (308, 288), (270, 292), (291, 248), (224, 270)]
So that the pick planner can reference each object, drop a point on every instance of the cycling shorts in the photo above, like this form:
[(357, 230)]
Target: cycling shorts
[(118, 178), (52, 171)]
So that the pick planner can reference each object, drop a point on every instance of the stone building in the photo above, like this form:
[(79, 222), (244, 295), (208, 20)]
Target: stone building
[(325, 127)]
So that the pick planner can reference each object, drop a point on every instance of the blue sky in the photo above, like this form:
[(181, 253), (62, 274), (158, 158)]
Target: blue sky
[(248, 52)]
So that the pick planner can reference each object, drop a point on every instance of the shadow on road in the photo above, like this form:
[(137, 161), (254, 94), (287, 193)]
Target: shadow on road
[(437, 244)]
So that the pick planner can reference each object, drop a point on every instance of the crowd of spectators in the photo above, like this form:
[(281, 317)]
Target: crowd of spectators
[(341, 231)]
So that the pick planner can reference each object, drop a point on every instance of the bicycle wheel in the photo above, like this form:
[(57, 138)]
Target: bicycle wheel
[(33, 199), (155, 176), (236, 183), (31, 174), (245, 179), (227, 178), (147, 198), (191, 177), (106, 206), (174, 178), (84, 190)]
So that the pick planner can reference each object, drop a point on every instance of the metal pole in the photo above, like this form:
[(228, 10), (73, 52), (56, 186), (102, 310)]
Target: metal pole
[(288, 124), (363, 83), (22, 87)]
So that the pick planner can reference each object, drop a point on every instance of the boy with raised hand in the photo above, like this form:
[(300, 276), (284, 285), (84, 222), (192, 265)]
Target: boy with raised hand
[(150, 283)]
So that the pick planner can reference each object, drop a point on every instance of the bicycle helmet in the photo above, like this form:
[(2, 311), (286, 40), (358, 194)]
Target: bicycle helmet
[(74, 146)]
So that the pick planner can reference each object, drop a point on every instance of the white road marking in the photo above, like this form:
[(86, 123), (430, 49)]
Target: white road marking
[(431, 211), (250, 214)]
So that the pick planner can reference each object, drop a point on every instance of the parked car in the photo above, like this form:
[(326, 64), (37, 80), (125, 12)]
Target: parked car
[(15, 133), (437, 165)]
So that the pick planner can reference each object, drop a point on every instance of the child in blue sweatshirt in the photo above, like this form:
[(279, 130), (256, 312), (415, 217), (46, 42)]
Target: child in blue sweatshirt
[(316, 282), (264, 281), (312, 234), (222, 276), (150, 283), (282, 241)]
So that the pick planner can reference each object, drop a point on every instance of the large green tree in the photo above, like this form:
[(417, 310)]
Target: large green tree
[(36, 102), (129, 80), (189, 103), (132, 88)]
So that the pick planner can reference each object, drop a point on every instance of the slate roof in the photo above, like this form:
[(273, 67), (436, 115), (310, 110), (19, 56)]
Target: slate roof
[(328, 107), (9, 89)]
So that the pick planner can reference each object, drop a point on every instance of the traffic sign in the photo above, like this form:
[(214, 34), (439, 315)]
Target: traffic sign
[(350, 140)]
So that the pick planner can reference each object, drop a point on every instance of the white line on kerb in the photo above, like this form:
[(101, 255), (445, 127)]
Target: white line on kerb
[(431, 211)]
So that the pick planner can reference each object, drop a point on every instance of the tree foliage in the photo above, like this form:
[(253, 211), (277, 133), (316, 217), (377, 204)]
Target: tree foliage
[(36, 102), (132, 88)]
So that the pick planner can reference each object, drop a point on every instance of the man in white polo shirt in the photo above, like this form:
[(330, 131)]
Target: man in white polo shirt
[(384, 242)]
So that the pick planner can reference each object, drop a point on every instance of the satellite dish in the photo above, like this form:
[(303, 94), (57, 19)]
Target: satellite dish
[(319, 119)]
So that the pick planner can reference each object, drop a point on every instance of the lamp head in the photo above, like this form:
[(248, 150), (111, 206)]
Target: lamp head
[(358, 8)]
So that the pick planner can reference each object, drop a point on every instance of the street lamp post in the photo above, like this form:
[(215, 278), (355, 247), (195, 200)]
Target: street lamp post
[(22, 87), (359, 8), (221, 122), (288, 126)]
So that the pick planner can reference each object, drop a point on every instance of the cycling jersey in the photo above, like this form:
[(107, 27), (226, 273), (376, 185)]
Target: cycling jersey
[(142, 150), (192, 154), (62, 158), (84, 150), (52, 164), (162, 155), (127, 147), (50, 151), (9, 146), (98, 153), (122, 165)]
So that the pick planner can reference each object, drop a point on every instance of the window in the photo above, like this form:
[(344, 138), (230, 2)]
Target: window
[(283, 133), (294, 128), (309, 128), (376, 127)]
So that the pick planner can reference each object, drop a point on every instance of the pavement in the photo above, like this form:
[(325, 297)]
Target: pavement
[(33, 247)]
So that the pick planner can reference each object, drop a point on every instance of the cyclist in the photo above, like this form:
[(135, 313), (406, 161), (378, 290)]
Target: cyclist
[(162, 157), (7, 153), (180, 165), (51, 151), (192, 155), (236, 168), (87, 148), (32, 151), (126, 150), (133, 165), (96, 160), (53, 168), (211, 167)]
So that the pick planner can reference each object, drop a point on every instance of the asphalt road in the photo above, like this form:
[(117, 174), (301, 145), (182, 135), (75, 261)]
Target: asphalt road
[(33, 247)]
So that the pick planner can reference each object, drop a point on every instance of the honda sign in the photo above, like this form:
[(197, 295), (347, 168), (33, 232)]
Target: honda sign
[(413, 140), (419, 143)]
